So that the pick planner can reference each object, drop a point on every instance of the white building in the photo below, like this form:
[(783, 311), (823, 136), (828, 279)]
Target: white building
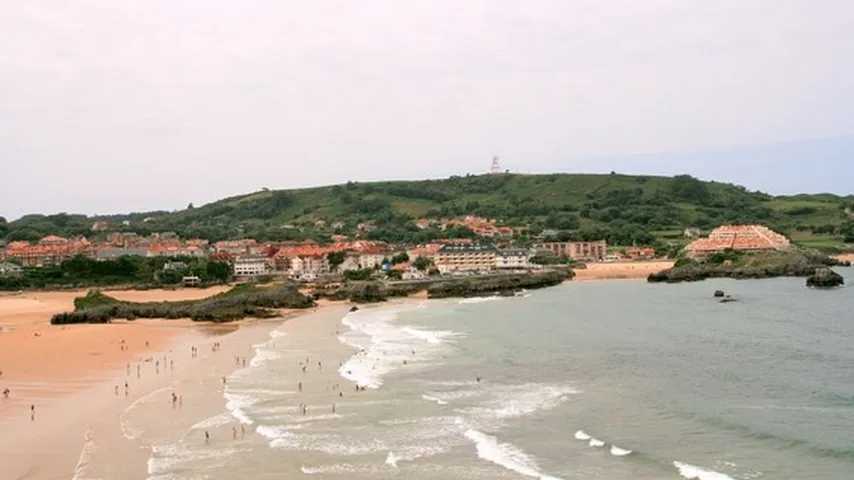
[(512, 258), (309, 265), (465, 258), (371, 260), (250, 266)]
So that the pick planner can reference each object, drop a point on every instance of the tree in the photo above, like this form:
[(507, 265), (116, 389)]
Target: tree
[(422, 263), (689, 188), (400, 258), (335, 259), (220, 271)]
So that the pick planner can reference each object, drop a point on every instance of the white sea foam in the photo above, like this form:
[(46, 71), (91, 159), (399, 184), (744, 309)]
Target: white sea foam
[(619, 452), (384, 346), (582, 435), (236, 405), (128, 430), (391, 460), (480, 299), (263, 355), (437, 400), (505, 455), (277, 334), (171, 456), (512, 401), (596, 443), (89, 448), (692, 472), (272, 432), (213, 422)]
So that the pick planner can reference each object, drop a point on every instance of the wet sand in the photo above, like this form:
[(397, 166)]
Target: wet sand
[(82, 428), (621, 270)]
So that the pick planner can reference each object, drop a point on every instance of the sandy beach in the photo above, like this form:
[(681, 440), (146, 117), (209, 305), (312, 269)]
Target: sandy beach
[(621, 270), (846, 257), (80, 378)]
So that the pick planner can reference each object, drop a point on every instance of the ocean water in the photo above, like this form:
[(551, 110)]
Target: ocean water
[(595, 380)]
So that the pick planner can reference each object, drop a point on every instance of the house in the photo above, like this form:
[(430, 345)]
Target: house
[(515, 258), (10, 269), (308, 267), (191, 281), (465, 258), (640, 253), (249, 266), (50, 250), (742, 238), (581, 251), (174, 266), (112, 253)]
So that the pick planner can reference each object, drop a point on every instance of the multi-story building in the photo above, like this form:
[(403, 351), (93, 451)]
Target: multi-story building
[(744, 238), (581, 251), (515, 258), (249, 266), (465, 258)]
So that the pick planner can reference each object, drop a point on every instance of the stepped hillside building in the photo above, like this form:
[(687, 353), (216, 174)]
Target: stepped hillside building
[(743, 238)]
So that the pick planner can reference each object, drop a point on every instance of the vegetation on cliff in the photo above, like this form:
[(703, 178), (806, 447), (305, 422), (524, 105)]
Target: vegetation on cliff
[(794, 262), (624, 209), (240, 302)]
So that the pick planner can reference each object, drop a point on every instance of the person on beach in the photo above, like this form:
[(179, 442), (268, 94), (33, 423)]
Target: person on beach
[(207, 437), (299, 386), (32, 412), (6, 392), (333, 408), (116, 390), (137, 370), (234, 433)]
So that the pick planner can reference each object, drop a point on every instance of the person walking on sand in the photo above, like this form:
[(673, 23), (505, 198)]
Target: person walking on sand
[(207, 437), (299, 386), (32, 412), (234, 433), (6, 392)]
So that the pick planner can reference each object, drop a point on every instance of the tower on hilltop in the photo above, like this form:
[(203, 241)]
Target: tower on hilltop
[(496, 167)]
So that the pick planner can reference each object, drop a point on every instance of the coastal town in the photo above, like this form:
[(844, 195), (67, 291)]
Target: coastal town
[(493, 249)]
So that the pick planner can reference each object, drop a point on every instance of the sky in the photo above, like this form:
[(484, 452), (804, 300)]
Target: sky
[(134, 105)]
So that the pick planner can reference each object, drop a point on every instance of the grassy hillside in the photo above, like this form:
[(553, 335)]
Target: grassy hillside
[(623, 208)]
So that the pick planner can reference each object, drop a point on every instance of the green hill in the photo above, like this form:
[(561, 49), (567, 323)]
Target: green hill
[(622, 208)]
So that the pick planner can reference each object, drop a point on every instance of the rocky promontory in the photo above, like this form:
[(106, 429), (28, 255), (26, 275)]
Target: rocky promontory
[(825, 278), (790, 263)]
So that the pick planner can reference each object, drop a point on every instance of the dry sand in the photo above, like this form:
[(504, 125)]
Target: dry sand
[(846, 257), (75, 376), (621, 270)]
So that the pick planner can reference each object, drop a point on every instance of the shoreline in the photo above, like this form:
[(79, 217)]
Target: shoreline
[(56, 446)]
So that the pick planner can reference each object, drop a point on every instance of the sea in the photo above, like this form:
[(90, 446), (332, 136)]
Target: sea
[(586, 380)]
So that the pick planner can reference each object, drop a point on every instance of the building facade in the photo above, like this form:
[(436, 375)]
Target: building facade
[(250, 266), (465, 258), (581, 251)]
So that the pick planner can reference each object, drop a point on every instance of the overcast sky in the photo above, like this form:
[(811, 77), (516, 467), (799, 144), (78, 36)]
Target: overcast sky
[(132, 105)]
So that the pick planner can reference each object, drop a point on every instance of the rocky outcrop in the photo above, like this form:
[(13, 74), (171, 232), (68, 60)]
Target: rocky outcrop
[(825, 278), (792, 263)]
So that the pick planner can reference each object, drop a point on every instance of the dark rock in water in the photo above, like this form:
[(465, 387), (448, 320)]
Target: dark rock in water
[(354, 308), (719, 293), (825, 278)]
